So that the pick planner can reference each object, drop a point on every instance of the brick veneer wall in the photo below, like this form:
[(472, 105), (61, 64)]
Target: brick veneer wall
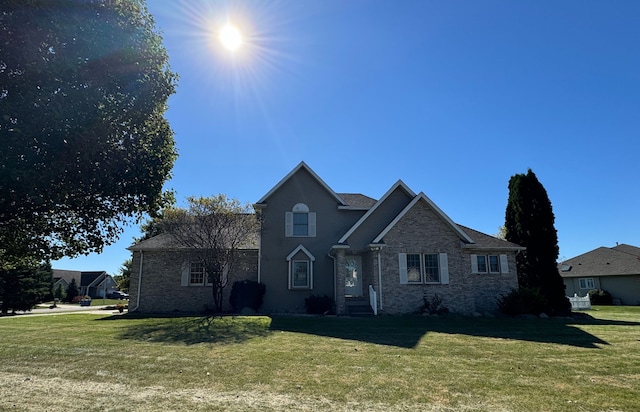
[(161, 290), (421, 230)]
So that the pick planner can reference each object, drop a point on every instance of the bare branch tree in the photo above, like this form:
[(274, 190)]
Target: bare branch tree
[(214, 229)]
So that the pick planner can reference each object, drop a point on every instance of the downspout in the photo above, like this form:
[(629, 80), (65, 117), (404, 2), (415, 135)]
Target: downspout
[(380, 280), (335, 280), (139, 283), (259, 258)]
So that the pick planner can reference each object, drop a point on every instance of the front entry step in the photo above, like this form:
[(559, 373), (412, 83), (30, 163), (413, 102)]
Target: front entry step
[(358, 307)]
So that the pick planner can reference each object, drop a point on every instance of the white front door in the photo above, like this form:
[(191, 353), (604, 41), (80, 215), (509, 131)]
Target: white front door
[(353, 278)]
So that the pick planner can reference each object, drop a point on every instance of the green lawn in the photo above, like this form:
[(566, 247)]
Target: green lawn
[(112, 363)]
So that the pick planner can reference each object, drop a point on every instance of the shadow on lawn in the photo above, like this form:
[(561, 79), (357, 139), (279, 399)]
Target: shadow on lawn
[(193, 330), (407, 331), (400, 331)]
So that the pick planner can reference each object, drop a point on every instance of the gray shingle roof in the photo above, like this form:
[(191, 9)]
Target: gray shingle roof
[(604, 261), (358, 200), (484, 241), (165, 241)]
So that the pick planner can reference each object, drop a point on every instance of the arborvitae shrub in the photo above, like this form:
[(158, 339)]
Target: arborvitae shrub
[(319, 305), (522, 301), (246, 294), (600, 297)]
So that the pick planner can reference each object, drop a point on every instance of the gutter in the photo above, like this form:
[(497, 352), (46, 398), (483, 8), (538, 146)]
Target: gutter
[(380, 281), (139, 283)]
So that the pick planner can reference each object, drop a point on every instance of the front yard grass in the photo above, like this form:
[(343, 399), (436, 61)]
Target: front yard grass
[(117, 363)]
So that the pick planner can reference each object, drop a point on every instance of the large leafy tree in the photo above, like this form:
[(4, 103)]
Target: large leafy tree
[(84, 145), (213, 229), (22, 287), (529, 221)]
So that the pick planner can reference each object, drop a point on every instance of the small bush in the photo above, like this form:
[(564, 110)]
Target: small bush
[(246, 294), (522, 301), (319, 305), (433, 306), (600, 297)]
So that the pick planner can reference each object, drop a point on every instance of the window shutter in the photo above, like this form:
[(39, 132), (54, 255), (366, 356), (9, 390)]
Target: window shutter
[(402, 262), (184, 281), (312, 224), (288, 224), (504, 264), (444, 268), (474, 263)]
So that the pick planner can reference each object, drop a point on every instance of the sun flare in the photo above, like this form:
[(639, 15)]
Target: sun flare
[(230, 37)]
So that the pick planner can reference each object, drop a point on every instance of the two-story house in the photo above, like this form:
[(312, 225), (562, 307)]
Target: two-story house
[(389, 253)]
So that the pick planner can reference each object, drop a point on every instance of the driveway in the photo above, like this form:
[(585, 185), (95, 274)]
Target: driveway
[(65, 308)]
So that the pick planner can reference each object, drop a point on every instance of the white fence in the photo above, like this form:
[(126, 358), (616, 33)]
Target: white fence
[(373, 301), (578, 303)]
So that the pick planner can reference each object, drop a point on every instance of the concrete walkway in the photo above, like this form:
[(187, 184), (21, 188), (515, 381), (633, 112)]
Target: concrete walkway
[(65, 309)]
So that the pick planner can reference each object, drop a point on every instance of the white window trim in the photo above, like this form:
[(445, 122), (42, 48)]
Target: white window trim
[(443, 269), (503, 264), (310, 263), (489, 264), (186, 275), (311, 221), (586, 282), (292, 265)]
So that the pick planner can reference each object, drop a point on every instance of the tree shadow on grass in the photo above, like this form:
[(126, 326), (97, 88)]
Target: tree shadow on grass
[(193, 330), (407, 331), (399, 331)]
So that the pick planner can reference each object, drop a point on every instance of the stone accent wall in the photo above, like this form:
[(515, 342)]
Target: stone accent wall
[(161, 290), (341, 262), (421, 230)]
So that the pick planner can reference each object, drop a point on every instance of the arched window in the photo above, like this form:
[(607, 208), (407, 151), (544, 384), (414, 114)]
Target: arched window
[(300, 222)]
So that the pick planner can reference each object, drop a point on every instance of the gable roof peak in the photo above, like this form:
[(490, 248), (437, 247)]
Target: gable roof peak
[(301, 165), (423, 197), (397, 185)]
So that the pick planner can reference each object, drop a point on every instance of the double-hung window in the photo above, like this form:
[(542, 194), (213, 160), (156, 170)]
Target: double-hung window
[(489, 264), (196, 273), (431, 268), (414, 268), (587, 283), (494, 264), (300, 222), (423, 268)]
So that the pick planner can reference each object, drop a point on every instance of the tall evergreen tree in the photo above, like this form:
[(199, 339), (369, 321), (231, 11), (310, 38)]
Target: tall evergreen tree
[(72, 290), (529, 221), (22, 287)]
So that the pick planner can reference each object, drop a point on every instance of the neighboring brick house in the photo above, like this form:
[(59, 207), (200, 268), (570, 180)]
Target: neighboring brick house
[(388, 252), (614, 269)]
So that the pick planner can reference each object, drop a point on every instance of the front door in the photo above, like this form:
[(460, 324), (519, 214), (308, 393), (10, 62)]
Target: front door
[(353, 278)]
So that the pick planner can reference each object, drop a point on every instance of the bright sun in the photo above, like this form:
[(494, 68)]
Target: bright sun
[(230, 37)]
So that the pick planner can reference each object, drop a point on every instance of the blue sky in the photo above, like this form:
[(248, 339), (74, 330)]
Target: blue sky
[(452, 97)]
